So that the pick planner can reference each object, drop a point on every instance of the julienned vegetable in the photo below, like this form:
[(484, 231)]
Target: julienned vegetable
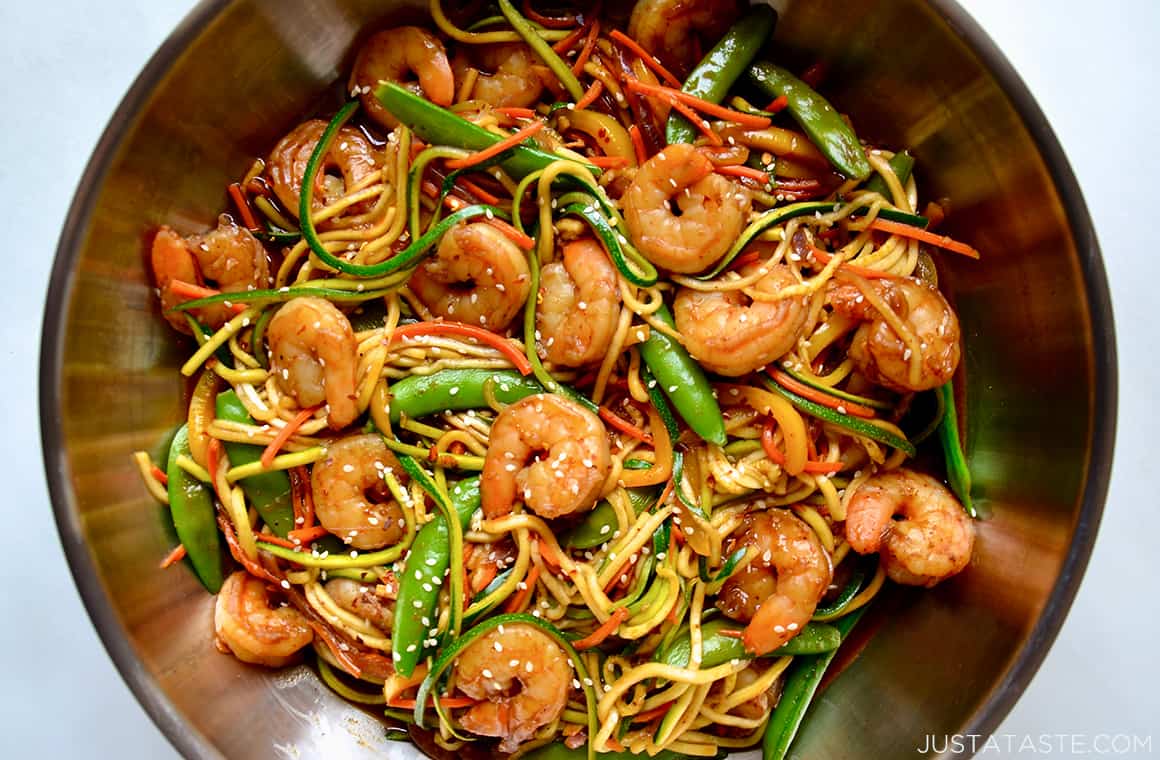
[(683, 381), (422, 578), (718, 648), (715, 75), (867, 428), (821, 122), (191, 504), (801, 681), (457, 389), (903, 164), (267, 492), (958, 473)]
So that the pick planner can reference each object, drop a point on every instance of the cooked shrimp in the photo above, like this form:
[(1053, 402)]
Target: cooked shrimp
[(672, 29), (229, 256), (523, 678), (477, 276), (730, 334), (681, 215), (779, 588), (249, 625), (882, 355), (351, 499), (393, 54), (314, 357), (352, 156), (364, 600), (578, 305), (916, 524), (517, 77), (547, 451)]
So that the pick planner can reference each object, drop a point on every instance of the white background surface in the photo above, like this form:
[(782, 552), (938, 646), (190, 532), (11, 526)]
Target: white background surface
[(65, 65)]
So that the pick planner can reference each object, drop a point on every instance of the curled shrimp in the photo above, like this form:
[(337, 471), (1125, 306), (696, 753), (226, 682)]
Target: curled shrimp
[(228, 256), (477, 276), (364, 600), (548, 452), (349, 162), (731, 334), (578, 306), (517, 77), (786, 573), (882, 354), (681, 215), (674, 30), (916, 525), (314, 357), (351, 499), (393, 54), (522, 677), (248, 624)]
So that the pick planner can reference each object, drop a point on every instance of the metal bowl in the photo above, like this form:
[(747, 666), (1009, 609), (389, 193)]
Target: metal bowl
[(1040, 367)]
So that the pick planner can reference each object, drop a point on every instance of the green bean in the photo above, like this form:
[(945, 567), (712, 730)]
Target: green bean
[(456, 389), (683, 381), (717, 648), (267, 492), (419, 583), (958, 473), (801, 682), (821, 122), (715, 75), (191, 506)]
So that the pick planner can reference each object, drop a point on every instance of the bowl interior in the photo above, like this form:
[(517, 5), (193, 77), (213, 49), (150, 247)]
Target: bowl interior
[(1039, 366)]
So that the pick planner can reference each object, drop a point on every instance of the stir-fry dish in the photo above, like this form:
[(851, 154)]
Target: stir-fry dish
[(558, 393)]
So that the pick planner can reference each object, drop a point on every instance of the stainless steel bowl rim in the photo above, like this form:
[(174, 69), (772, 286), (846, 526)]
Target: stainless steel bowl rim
[(192, 744)]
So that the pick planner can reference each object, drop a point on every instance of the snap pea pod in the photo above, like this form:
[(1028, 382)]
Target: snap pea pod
[(715, 75), (718, 649), (854, 424), (902, 163), (452, 651), (267, 492), (457, 389), (958, 473), (191, 505), (821, 122), (418, 595), (801, 682), (438, 126), (599, 525), (683, 382)]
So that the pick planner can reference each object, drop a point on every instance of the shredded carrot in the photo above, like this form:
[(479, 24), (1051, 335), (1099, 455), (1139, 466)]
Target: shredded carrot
[(548, 22), (189, 290), (517, 602), (566, 44), (701, 125), (648, 715), (624, 426), (825, 399), (704, 106), (548, 554), (252, 567), (270, 538), (174, 556), (450, 703), (778, 457), (239, 198), (644, 56), (744, 171), (516, 113), (511, 352), (590, 95), (491, 152), (906, 230), (777, 104), (744, 260), (732, 633), (213, 456), (159, 475), (614, 744), (606, 629), (824, 257), (303, 498), (608, 162), (586, 51), (479, 192), (285, 434), (638, 144), (484, 576), (308, 535)]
